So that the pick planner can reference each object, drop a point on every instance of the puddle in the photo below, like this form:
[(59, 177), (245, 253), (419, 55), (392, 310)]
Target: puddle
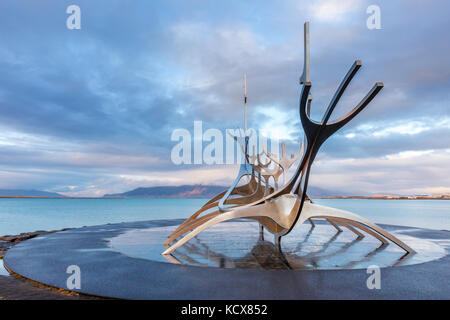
[(3, 271)]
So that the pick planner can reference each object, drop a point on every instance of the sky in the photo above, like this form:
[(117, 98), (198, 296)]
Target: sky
[(90, 111)]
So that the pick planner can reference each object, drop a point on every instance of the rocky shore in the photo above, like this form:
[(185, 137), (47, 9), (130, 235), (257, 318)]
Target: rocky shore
[(9, 241)]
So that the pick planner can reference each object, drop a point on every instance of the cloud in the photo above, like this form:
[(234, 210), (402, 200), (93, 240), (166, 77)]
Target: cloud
[(332, 10), (118, 183), (81, 109), (406, 173), (277, 124), (401, 127)]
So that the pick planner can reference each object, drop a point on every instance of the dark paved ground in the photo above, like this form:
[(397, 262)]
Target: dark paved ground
[(12, 288), (112, 274)]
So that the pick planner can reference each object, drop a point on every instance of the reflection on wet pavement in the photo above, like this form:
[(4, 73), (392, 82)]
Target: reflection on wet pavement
[(239, 245), (3, 271)]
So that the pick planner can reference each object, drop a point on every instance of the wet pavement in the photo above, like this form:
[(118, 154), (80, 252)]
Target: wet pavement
[(111, 271), (240, 245), (12, 288)]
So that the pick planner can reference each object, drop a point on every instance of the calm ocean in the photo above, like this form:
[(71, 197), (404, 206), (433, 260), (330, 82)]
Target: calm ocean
[(25, 215)]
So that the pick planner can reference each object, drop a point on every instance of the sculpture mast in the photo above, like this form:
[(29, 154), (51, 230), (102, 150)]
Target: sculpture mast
[(305, 75), (245, 104)]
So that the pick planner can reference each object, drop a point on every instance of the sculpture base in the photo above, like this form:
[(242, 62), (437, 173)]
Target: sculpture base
[(230, 261)]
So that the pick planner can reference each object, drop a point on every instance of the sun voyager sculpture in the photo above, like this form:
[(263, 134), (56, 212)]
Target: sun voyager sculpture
[(280, 210)]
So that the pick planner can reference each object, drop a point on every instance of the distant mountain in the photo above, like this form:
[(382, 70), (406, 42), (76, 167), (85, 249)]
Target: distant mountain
[(28, 193), (196, 191), (186, 191)]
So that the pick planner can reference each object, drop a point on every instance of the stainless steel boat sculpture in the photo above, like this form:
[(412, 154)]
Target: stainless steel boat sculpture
[(279, 211)]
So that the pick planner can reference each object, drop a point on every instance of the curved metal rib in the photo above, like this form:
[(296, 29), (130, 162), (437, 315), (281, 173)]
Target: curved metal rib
[(317, 133)]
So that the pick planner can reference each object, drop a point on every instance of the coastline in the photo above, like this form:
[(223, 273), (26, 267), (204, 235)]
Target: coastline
[(386, 197), (321, 197)]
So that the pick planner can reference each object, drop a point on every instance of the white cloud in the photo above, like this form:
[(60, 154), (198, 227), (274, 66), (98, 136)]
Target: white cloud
[(279, 125), (408, 154), (350, 135), (333, 10), (127, 181), (408, 172), (401, 127)]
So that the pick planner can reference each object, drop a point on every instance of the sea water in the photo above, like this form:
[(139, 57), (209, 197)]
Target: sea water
[(26, 215)]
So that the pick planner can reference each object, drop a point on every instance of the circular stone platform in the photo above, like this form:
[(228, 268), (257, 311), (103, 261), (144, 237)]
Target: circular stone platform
[(231, 261)]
